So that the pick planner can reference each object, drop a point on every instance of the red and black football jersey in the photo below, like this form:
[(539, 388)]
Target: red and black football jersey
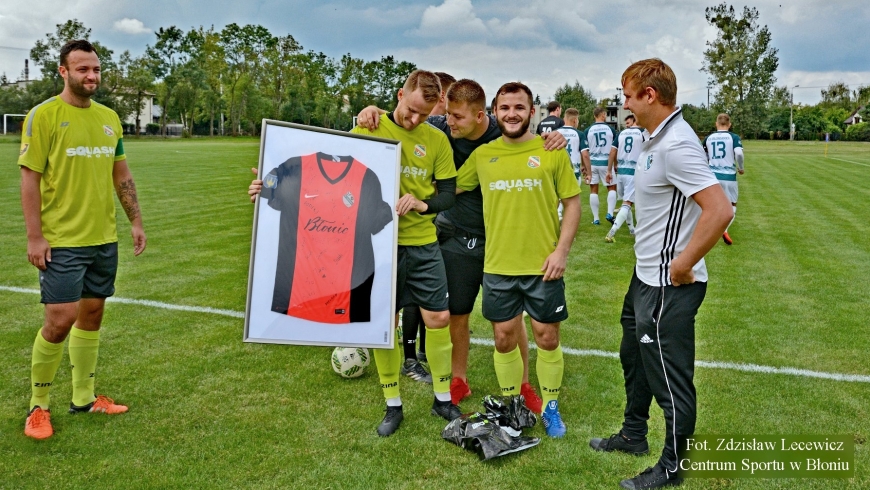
[(330, 208)]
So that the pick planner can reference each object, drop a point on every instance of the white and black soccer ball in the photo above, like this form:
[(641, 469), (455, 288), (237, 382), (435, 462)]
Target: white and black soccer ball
[(350, 362)]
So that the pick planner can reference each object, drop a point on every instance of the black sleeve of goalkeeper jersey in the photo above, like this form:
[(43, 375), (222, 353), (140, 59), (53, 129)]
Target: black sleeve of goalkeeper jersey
[(445, 197)]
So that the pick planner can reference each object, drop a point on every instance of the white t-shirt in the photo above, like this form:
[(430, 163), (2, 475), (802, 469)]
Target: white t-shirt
[(722, 147), (672, 168), (572, 136), (629, 144), (599, 140)]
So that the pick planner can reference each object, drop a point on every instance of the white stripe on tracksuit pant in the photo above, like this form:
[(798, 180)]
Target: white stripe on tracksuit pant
[(658, 360)]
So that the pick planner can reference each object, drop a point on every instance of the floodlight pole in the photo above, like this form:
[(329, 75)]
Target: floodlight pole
[(791, 114)]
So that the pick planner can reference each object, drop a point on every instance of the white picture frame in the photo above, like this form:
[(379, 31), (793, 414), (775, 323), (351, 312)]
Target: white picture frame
[(306, 237)]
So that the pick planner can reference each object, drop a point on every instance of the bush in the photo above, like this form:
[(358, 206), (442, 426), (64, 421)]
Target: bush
[(152, 129), (858, 132)]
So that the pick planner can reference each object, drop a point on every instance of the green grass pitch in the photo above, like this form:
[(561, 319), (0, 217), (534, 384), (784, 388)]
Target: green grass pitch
[(207, 410)]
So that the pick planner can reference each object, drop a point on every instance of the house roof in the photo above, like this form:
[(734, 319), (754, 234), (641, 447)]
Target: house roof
[(853, 116)]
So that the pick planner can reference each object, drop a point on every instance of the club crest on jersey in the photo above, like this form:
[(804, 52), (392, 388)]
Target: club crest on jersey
[(649, 162), (420, 150), (108, 130), (534, 162), (24, 148), (348, 199), (270, 181)]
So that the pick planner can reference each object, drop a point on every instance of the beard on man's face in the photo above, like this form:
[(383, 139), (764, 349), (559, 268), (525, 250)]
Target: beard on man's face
[(78, 87), (523, 129)]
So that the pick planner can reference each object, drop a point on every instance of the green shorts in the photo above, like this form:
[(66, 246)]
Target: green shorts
[(79, 272), (420, 278), (505, 297)]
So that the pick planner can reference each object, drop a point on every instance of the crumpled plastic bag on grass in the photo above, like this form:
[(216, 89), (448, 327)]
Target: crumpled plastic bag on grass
[(510, 412), (476, 432)]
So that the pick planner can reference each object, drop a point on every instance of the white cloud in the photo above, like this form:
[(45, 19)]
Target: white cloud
[(454, 17), (131, 26)]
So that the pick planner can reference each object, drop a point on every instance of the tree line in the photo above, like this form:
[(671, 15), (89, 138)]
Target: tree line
[(740, 64), (239, 73), (242, 74)]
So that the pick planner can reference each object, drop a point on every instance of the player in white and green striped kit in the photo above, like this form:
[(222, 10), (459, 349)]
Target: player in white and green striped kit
[(628, 144), (725, 156), (598, 150)]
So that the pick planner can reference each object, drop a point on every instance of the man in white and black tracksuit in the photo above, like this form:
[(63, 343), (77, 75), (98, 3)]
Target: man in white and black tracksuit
[(681, 213)]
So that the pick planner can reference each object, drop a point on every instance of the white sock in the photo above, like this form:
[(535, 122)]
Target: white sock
[(630, 219), (623, 214), (394, 402), (593, 203), (442, 397), (611, 202), (732, 218)]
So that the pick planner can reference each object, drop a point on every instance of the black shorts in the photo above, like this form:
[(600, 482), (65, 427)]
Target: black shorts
[(420, 278), (505, 297), (79, 272), (463, 259)]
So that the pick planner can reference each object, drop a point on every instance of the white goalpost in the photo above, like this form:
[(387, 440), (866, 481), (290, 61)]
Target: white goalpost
[(10, 115)]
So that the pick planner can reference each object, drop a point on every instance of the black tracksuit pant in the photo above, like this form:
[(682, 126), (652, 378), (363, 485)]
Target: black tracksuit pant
[(658, 360)]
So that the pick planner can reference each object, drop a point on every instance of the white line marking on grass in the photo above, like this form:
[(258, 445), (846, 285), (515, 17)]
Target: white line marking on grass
[(850, 161), (145, 302), (750, 368)]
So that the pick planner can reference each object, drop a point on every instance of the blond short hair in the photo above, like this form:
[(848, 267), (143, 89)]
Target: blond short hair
[(723, 119), (653, 73), (427, 82)]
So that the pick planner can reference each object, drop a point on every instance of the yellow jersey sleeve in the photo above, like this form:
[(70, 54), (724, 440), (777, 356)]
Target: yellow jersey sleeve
[(566, 183), (444, 166), (35, 140), (467, 178)]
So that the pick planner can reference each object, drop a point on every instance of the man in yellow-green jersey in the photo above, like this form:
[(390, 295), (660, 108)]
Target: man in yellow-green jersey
[(72, 159), (421, 279), (527, 248)]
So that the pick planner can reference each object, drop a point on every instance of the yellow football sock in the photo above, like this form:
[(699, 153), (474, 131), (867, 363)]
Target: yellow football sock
[(43, 366), (389, 361), (83, 349), (509, 371), (439, 350), (550, 366)]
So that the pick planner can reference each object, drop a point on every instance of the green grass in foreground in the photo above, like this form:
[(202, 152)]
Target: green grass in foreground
[(210, 411)]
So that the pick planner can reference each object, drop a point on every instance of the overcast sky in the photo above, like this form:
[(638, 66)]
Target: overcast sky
[(545, 44)]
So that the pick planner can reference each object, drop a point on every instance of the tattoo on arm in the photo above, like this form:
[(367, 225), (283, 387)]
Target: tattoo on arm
[(129, 201)]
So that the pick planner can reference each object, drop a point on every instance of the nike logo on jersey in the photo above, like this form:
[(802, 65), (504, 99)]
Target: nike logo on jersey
[(645, 339), (309, 196)]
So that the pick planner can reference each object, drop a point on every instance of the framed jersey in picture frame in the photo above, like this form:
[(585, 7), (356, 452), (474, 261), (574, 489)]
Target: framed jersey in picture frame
[(323, 249)]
